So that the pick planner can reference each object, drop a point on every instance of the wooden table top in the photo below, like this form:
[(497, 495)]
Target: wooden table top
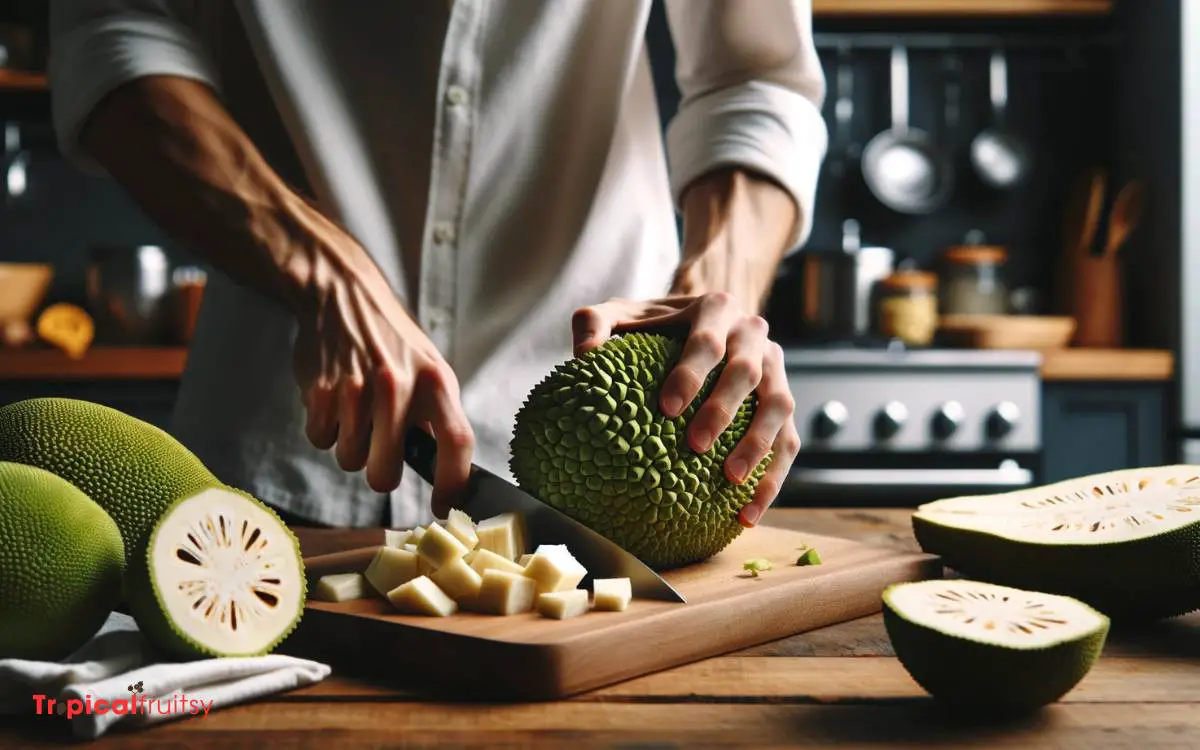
[(839, 685)]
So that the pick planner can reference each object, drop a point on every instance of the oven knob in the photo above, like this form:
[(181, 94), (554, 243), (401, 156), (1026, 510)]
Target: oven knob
[(949, 416), (1003, 419), (890, 419), (829, 419)]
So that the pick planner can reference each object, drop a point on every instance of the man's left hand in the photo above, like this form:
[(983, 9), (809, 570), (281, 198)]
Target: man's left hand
[(719, 329)]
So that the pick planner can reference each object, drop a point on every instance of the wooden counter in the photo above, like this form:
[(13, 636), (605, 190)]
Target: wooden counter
[(837, 686), (100, 363), (1107, 364)]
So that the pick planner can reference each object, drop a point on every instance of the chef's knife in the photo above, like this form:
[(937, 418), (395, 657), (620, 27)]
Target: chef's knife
[(488, 495)]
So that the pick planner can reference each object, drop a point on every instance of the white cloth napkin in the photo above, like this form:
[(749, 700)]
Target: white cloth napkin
[(110, 679)]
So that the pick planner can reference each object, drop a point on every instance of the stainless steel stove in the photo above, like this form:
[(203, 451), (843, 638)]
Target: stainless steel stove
[(888, 426)]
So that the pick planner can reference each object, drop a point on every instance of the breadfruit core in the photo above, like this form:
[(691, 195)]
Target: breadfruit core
[(591, 441), (131, 468), (222, 575), (982, 648), (61, 565), (1125, 542)]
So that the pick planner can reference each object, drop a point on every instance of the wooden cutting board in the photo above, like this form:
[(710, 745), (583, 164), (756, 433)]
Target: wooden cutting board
[(527, 657)]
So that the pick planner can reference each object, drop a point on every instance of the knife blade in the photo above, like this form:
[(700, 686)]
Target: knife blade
[(488, 495)]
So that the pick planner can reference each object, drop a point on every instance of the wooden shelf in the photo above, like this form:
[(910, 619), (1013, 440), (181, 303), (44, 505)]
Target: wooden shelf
[(100, 363), (17, 80), (1107, 364), (962, 8)]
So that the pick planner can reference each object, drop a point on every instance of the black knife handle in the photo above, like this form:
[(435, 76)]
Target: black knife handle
[(420, 452)]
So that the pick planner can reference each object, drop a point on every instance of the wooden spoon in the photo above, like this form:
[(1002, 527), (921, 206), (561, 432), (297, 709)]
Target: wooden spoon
[(1126, 213)]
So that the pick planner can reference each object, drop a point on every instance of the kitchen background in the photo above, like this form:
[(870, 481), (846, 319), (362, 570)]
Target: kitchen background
[(897, 405)]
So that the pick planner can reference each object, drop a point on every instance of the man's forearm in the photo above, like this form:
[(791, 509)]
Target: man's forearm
[(172, 146), (736, 227)]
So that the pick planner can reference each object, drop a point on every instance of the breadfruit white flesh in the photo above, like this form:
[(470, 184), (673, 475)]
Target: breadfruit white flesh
[(611, 594), (389, 568), (554, 568), (414, 536), (563, 605), (505, 534), (460, 581), (462, 527), (524, 559), (438, 546), (421, 596), (505, 593), (222, 575), (983, 648), (340, 587), (396, 537), (484, 560), (1124, 541)]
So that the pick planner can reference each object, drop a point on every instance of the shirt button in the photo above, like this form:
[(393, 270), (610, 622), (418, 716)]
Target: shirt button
[(456, 95), (443, 233)]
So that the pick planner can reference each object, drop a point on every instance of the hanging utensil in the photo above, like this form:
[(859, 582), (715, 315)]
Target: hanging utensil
[(1126, 213), (843, 112), (902, 166), (999, 156)]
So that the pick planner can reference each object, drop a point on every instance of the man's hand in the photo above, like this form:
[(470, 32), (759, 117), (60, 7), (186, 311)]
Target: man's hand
[(718, 330), (736, 230), (366, 370)]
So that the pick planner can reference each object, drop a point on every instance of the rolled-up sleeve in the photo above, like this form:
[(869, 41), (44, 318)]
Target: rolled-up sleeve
[(97, 45), (751, 89)]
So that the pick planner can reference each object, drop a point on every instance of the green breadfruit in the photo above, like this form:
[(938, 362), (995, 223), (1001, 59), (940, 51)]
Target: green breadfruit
[(591, 441), (992, 650), (1125, 542), (61, 565), (221, 575), (131, 468)]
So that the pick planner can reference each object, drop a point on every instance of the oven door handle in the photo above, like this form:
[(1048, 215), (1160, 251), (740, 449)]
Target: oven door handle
[(1005, 476)]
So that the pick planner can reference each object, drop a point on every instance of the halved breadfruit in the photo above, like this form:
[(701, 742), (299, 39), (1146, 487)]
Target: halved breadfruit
[(986, 649), (222, 575), (1126, 542)]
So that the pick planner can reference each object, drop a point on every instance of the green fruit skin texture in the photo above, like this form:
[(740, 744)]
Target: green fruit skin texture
[(985, 680), (1136, 581), (131, 468), (591, 441), (61, 565), (149, 611)]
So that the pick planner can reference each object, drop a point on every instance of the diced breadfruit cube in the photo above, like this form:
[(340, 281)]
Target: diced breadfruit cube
[(389, 568), (561, 605), (484, 560), (340, 587), (415, 535), (463, 528), (396, 537), (524, 559), (611, 594), (470, 556), (553, 568), (438, 546), (504, 593), (459, 580), (421, 596), (504, 534)]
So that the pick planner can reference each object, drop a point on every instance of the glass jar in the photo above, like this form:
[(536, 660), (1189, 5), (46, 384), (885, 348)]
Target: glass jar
[(973, 280), (908, 307)]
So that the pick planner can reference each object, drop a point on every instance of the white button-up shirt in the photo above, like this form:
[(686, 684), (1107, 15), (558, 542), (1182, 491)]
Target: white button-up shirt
[(501, 160)]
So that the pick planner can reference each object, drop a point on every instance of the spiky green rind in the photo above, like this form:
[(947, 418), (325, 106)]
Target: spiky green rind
[(149, 607), (61, 565), (131, 468), (591, 441), (985, 679), (1132, 581)]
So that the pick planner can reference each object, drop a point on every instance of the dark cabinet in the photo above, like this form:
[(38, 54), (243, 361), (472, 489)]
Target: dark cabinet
[(1089, 428)]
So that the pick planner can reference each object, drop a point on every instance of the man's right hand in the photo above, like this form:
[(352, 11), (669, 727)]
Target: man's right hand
[(366, 370)]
